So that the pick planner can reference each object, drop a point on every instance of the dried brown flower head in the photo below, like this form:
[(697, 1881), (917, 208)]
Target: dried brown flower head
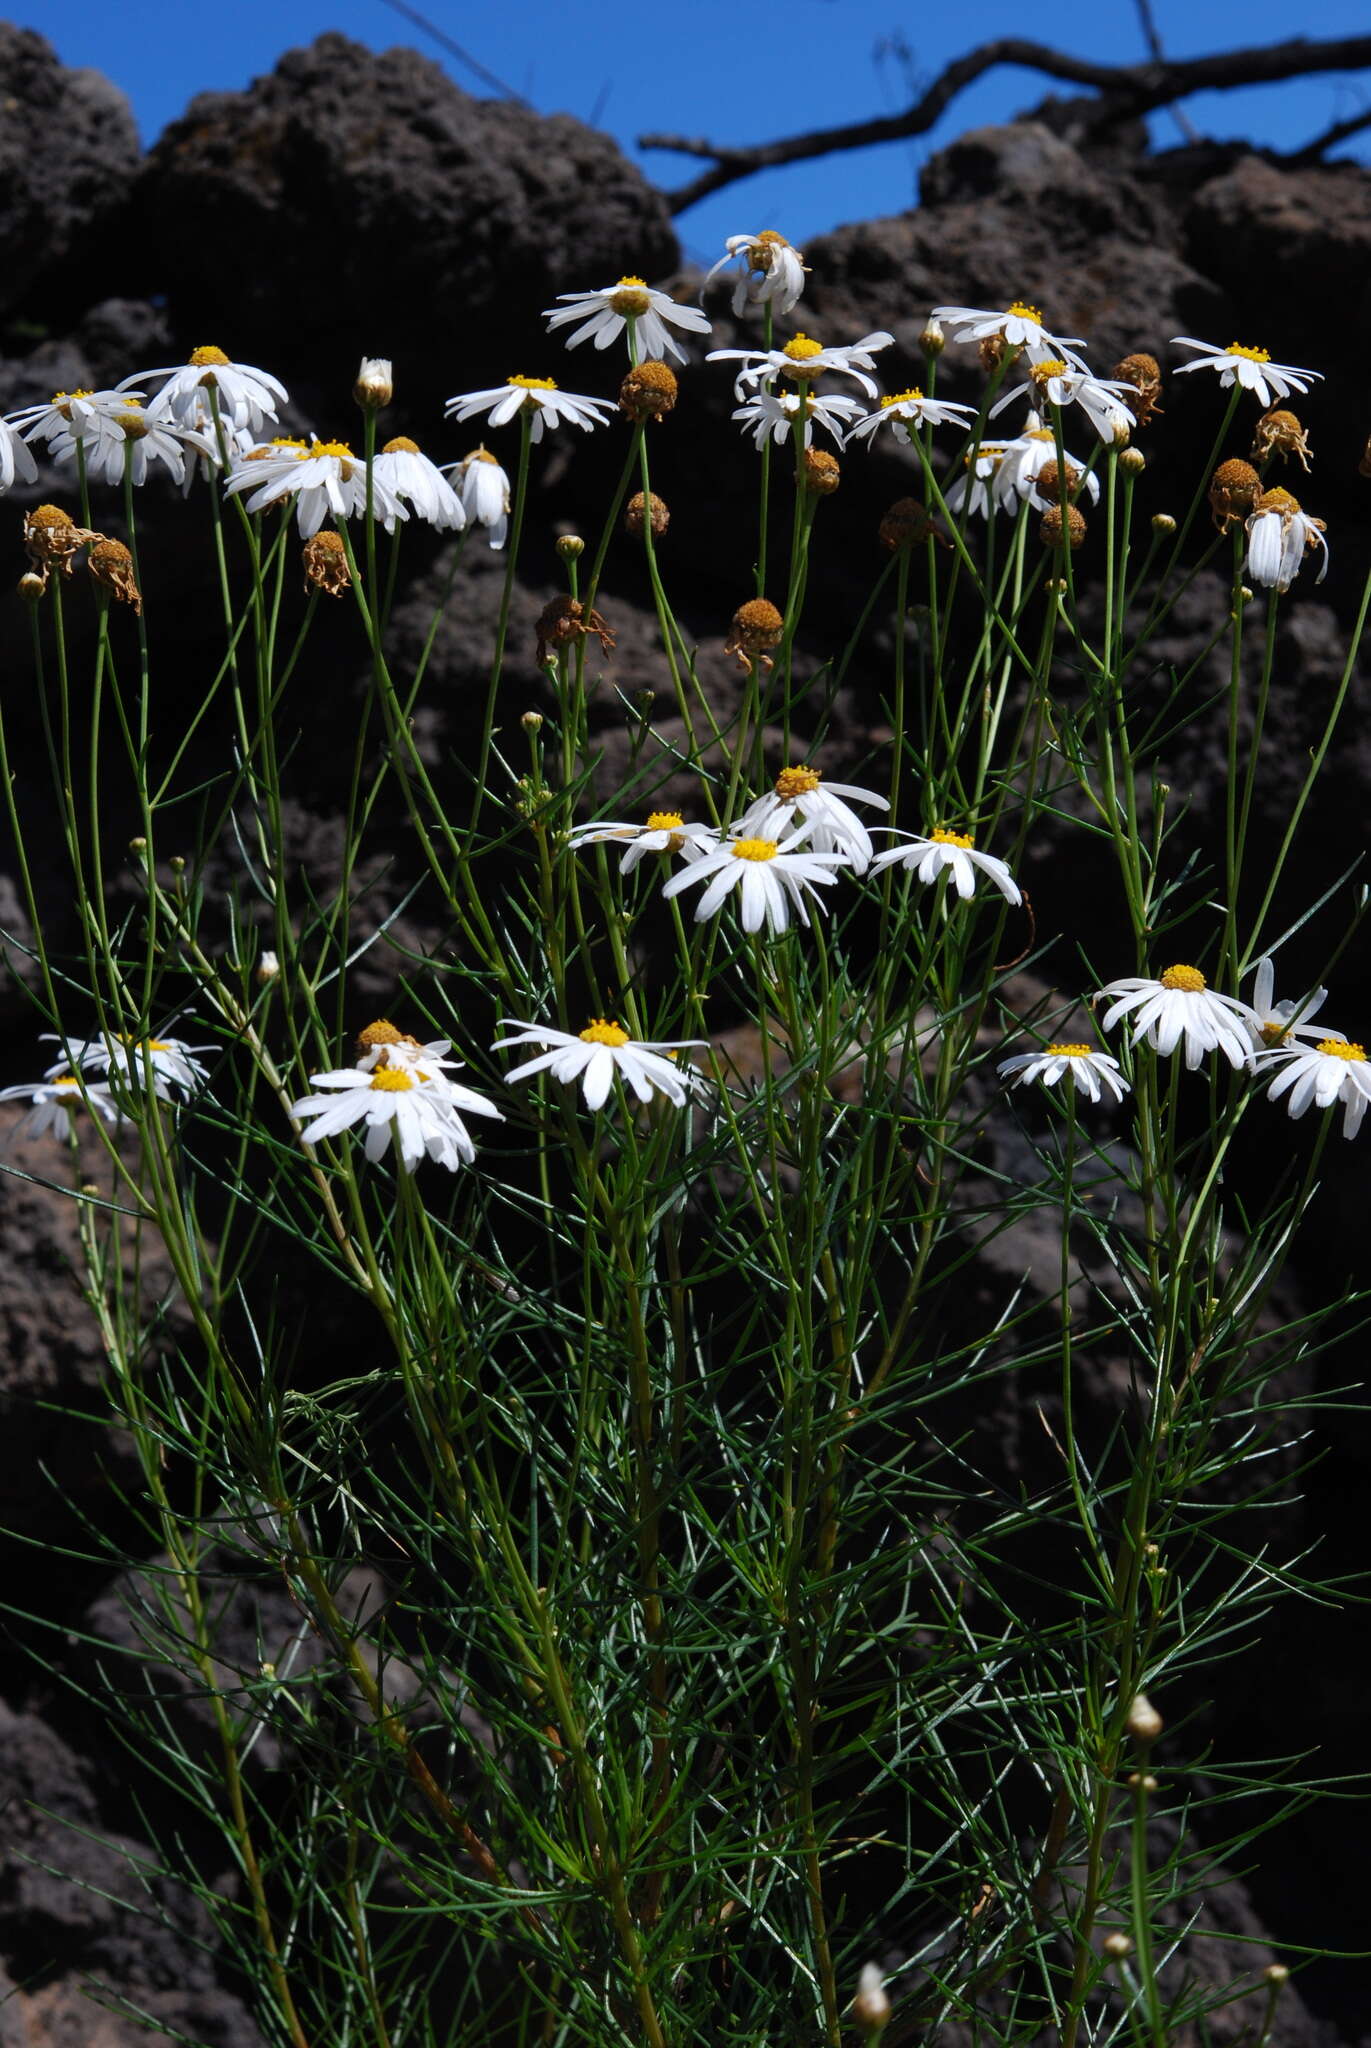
[(640, 510), (648, 391), (906, 521), (1278, 432), (1062, 523), (1234, 489), (111, 564), (1144, 373), (757, 627), (822, 472), (52, 538), (563, 620), (326, 563)]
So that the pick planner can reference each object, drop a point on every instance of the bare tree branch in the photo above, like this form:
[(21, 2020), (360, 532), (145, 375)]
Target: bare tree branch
[(1126, 91), (1330, 139), (1152, 37)]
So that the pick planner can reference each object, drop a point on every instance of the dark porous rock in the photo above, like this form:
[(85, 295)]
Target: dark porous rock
[(1300, 240), (69, 155), (372, 207)]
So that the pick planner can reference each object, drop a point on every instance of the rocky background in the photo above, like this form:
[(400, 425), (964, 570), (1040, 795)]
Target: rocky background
[(353, 204)]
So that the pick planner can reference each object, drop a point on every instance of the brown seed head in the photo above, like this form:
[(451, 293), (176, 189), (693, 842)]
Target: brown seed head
[(1062, 523), (1144, 373), (1278, 432), (1233, 490), (564, 619), (1049, 482), (382, 1032), (111, 564), (641, 511), (822, 472), (648, 391), (1278, 500), (52, 538), (757, 626), (906, 521), (994, 349), (326, 563)]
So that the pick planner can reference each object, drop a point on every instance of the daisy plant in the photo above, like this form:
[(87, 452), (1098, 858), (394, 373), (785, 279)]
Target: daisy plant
[(600, 1381)]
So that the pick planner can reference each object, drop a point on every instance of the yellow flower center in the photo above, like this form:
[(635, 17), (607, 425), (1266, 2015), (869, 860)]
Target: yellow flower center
[(66, 1081), (942, 837), (1069, 1052), (130, 418), (479, 455), (770, 235), (912, 397), (285, 441), (382, 1032), (802, 349), (793, 782), (1274, 1033), (50, 518), (754, 849), (600, 1031), (339, 450), (208, 357), (663, 821), (632, 296), (1042, 373), (1187, 978), (391, 1080), (1341, 1049), (401, 445), (989, 451), (1024, 312), (62, 400), (533, 383), (1250, 355)]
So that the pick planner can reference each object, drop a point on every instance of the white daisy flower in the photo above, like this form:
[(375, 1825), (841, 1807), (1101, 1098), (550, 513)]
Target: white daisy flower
[(1182, 1006), (248, 397), (594, 1056), (975, 488), (1279, 536), (771, 414), (1058, 383), (1252, 368), (605, 314), (954, 852), (204, 457), (1278, 1023), (1332, 1071), (120, 436), (914, 409), (419, 1106), (71, 415), (16, 458), (536, 396), (773, 273), (172, 1062), (1016, 479), (56, 1101), (324, 478), (1092, 1072), (772, 877), (408, 473), (804, 359), (483, 488), (662, 832), (1019, 325), (800, 797)]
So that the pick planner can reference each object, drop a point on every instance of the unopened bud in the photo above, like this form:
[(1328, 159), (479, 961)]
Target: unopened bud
[(1117, 1946), (659, 514), (871, 2006), (1163, 523), (1133, 461), (1276, 1974), (268, 967), (532, 721), (138, 845), (1144, 1722), (1141, 1781), (177, 863), (90, 1189), (932, 341), (375, 386), (32, 586), (570, 547)]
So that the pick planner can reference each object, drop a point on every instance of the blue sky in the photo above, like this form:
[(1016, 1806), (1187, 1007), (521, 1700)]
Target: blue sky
[(732, 71)]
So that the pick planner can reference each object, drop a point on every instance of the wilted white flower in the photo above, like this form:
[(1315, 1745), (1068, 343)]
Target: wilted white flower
[(324, 478), (951, 852), (913, 409), (1101, 399), (539, 397), (1332, 1071), (772, 414), (120, 438), (1086, 1069), (171, 1061), (483, 488), (1278, 1023), (803, 359), (1279, 536), (1252, 368), (1182, 1006), (975, 488), (55, 1102), (247, 397), (71, 414), (801, 797), (661, 832), (418, 1105), (594, 1056), (606, 313), (773, 273), (403, 469), (1024, 459), (772, 878), (1019, 325), (16, 458)]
